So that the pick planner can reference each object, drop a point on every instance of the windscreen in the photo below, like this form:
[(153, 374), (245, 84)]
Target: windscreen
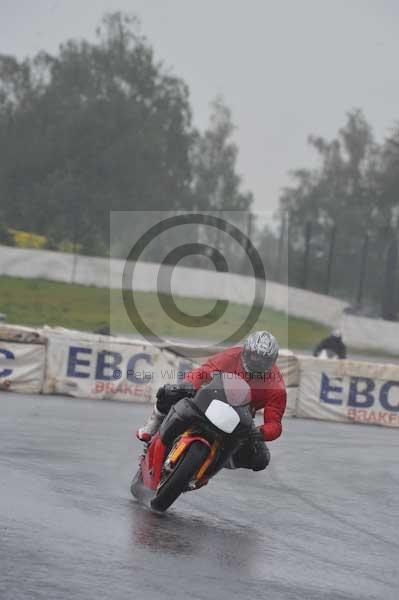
[(237, 390)]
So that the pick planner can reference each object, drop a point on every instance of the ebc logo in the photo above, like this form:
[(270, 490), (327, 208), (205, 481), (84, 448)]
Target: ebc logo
[(105, 363), (8, 355), (363, 392)]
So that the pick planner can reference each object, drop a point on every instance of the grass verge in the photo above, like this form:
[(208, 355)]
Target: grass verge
[(37, 302)]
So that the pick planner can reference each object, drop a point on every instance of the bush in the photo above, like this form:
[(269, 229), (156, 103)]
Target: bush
[(6, 237), (27, 239)]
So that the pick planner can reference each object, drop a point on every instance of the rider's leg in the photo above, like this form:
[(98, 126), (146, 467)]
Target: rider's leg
[(167, 395), (145, 433)]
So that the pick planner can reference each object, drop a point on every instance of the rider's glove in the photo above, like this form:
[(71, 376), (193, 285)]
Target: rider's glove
[(256, 436)]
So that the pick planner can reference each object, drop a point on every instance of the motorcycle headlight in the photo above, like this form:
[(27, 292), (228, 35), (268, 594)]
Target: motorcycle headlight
[(222, 415)]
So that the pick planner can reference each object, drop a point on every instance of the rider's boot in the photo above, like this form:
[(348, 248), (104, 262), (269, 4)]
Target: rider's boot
[(145, 433)]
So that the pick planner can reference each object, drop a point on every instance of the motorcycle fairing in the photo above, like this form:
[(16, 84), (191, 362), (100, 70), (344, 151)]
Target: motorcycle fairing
[(153, 460)]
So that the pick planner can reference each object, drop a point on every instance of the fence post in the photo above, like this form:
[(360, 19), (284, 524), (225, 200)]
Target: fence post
[(74, 241), (308, 236), (279, 261), (249, 229), (247, 243), (330, 258), (362, 272), (389, 301)]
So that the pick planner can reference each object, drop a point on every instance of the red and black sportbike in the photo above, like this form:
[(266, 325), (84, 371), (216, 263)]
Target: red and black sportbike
[(195, 441)]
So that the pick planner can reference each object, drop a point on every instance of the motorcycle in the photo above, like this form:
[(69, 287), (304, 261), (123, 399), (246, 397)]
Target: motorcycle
[(195, 441)]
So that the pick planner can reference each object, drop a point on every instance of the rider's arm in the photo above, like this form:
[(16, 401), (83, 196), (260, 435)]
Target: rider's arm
[(201, 375), (273, 413), (223, 361)]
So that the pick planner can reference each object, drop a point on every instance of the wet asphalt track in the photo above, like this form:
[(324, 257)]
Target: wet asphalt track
[(322, 522)]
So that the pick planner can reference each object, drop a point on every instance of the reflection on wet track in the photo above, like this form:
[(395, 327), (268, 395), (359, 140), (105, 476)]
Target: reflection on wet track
[(322, 521)]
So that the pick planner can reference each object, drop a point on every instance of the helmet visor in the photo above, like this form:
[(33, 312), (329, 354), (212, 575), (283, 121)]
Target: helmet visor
[(256, 363)]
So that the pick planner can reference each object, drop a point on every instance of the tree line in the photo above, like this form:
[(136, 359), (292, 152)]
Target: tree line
[(104, 126), (341, 218)]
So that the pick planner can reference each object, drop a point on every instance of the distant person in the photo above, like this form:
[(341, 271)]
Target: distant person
[(331, 346)]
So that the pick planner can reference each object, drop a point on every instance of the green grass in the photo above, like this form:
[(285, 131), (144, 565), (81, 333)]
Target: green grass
[(38, 302)]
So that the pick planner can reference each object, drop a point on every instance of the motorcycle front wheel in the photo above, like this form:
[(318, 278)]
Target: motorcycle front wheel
[(180, 477)]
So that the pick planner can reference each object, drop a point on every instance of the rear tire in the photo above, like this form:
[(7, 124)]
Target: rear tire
[(180, 477), (136, 482)]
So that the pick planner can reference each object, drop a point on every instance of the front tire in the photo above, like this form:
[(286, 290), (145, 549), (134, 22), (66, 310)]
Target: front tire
[(180, 477)]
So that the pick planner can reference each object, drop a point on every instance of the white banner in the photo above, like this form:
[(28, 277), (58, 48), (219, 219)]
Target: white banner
[(108, 369), (18, 333), (288, 364), (349, 391), (22, 367), (292, 401)]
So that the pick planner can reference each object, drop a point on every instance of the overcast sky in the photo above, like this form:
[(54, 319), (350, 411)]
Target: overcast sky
[(286, 68)]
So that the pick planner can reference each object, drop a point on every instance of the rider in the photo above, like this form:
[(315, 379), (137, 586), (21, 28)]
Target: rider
[(333, 345), (254, 362)]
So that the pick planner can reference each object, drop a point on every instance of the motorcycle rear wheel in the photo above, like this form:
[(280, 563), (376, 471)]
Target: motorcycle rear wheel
[(180, 477), (136, 482)]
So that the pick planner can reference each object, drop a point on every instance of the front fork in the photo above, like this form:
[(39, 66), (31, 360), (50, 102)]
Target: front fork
[(181, 445)]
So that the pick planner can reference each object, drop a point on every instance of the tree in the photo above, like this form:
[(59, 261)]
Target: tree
[(343, 201), (342, 190), (98, 127), (388, 178), (216, 185)]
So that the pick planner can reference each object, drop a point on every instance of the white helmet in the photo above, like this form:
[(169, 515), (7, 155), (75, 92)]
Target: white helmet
[(260, 352)]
